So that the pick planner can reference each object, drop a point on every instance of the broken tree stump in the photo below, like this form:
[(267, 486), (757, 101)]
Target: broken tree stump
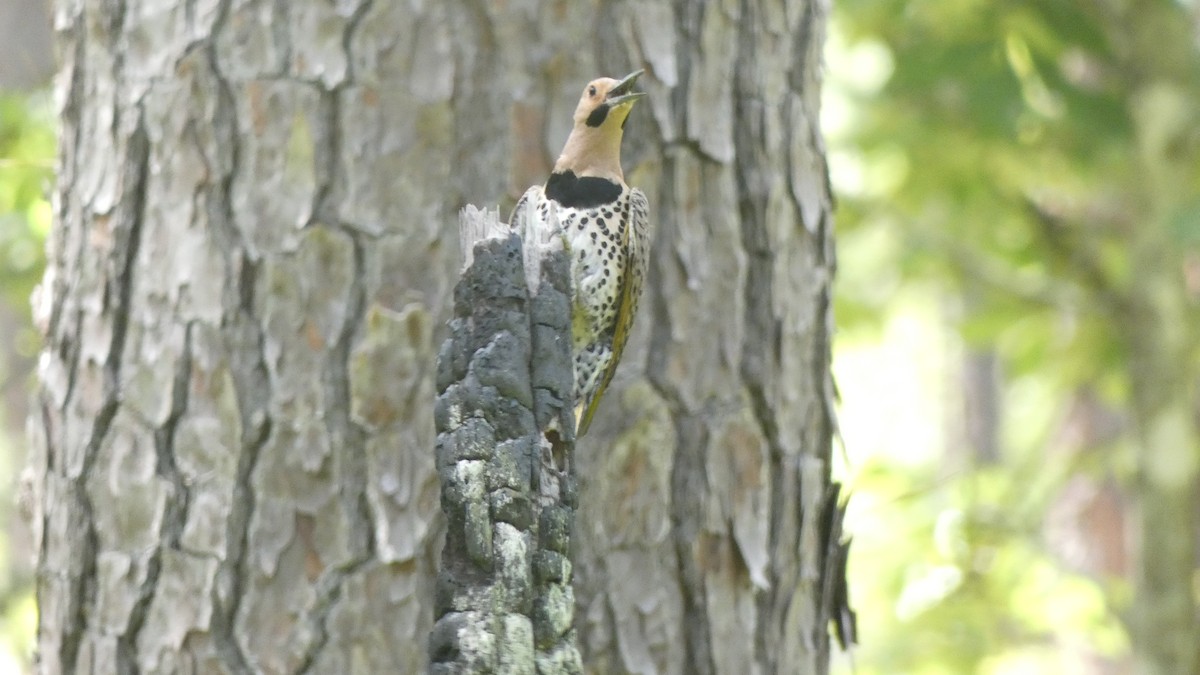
[(505, 438)]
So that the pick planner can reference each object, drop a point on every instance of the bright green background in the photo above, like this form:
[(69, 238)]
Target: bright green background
[(994, 162), (27, 146)]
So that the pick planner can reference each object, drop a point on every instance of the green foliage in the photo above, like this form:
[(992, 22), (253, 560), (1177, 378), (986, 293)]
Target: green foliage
[(27, 147), (992, 162)]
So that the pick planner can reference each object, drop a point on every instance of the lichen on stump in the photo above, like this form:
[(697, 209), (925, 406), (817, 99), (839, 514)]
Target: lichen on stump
[(504, 601)]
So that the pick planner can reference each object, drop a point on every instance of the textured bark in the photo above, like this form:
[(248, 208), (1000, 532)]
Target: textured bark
[(248, 281), (505, 602)]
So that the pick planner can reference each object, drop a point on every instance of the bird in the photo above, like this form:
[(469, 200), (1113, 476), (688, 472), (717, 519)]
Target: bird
[(604, 225)]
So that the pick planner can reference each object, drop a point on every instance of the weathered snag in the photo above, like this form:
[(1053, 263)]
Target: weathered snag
[(504, 600)]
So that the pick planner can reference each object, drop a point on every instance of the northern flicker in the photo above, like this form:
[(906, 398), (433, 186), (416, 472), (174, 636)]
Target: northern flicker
[(603, 224)]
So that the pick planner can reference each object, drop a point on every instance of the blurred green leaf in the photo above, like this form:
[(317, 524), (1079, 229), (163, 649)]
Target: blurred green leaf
[(988, 181), (27, 149)]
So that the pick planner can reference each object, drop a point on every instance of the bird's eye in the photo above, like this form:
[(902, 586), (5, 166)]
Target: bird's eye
[(592, 91)]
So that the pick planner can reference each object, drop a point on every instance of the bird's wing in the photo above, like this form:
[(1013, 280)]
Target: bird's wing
[(636, 244)]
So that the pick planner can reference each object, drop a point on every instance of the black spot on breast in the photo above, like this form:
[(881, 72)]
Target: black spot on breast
[(598, 115), (581, 193)]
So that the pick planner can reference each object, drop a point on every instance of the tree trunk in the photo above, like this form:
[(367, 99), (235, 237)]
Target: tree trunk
[(249, 279), (505, 451), (1160, 332), (1157, 315)]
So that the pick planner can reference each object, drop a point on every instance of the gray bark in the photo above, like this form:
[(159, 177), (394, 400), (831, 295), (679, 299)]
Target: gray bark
[(505, 451), (247, 285)]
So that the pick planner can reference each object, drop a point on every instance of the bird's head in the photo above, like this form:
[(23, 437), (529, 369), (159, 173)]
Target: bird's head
[(605, 103), (594, 147)]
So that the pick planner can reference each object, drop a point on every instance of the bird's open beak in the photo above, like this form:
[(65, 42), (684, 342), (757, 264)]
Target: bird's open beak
[(622, 92)]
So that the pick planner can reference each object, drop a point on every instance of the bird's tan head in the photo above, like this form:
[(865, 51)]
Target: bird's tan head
[(594, 147), (605, 103)]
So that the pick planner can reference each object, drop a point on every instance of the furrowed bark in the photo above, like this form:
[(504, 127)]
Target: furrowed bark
[(504, 600), (250, 275)]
